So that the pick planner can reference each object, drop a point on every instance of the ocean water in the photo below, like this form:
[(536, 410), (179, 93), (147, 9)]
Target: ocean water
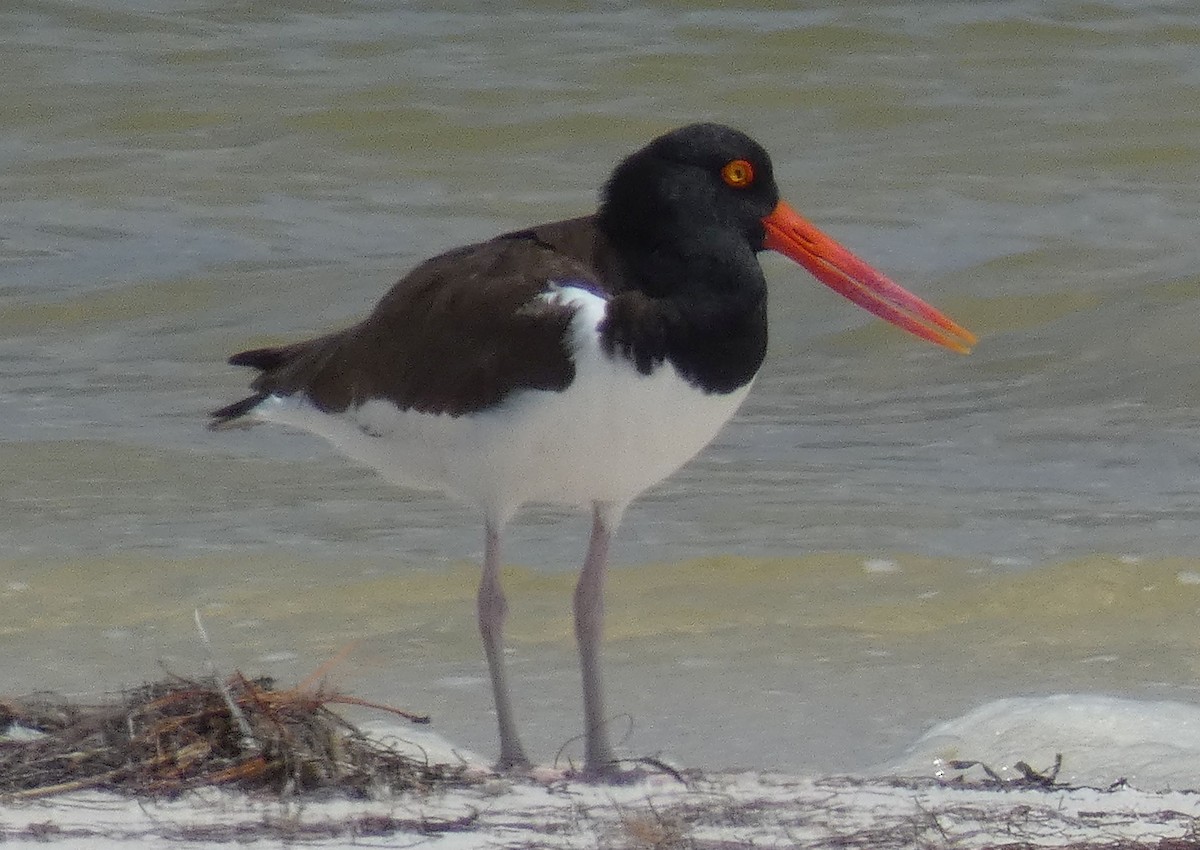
[(886, 535)]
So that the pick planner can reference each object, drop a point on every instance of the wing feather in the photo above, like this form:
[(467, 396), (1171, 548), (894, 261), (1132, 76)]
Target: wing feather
[(456, 335)]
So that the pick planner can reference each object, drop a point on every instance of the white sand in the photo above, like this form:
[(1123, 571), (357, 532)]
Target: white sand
[(722, 810), (726, 810)]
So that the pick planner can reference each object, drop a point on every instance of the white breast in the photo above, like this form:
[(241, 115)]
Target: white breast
[(610, 435)]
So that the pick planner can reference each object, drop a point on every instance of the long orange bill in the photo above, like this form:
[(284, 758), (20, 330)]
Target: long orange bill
[(796, 238)]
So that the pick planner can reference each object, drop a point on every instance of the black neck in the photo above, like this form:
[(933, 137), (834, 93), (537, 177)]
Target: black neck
[(701, 305)]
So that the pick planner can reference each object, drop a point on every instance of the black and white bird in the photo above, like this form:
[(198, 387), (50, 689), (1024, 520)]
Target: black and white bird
[(578, 362)]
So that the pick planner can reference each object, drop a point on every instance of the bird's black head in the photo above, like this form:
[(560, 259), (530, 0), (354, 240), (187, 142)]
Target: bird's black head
[(691, 208), (695, 179)]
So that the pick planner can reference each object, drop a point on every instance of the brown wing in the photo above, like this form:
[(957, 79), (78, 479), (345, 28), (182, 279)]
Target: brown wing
[(456, 335)]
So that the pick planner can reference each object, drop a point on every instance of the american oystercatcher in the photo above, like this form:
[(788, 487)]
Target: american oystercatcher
[(578, 362)]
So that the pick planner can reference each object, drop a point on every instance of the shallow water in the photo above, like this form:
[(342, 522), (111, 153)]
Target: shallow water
[(183, 180)]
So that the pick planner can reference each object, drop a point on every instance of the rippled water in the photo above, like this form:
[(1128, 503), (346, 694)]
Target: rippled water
[(185, 179)]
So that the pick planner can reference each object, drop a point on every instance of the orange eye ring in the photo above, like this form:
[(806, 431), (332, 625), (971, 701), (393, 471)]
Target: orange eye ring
[(738, 173)]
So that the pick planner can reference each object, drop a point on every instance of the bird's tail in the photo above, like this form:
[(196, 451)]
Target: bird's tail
[(263, 359), (231, 416)]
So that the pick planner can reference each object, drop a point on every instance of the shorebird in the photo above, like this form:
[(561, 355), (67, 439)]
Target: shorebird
[(577, 362)]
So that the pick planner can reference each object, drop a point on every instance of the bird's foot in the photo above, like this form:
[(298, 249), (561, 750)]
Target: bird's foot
[(517, 766), (514, 763), (542, 774), (625, 771), (611, 771)]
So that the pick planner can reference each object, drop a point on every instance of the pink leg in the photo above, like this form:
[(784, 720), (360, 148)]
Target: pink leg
[(493, 609), (599, 760)]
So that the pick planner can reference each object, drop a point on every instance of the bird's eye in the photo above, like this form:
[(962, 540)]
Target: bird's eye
[(738, 173)]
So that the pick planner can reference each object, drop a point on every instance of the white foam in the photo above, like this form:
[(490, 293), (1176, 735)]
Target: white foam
[(881, 565)]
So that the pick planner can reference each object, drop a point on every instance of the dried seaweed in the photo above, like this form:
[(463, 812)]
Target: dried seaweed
[(178, 734)]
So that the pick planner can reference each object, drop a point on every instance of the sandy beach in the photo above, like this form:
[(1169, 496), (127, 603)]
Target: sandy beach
[(1120, 765), (707, 811)]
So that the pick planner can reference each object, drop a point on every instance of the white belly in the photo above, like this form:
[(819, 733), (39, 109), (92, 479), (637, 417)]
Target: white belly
[(610, 435)]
